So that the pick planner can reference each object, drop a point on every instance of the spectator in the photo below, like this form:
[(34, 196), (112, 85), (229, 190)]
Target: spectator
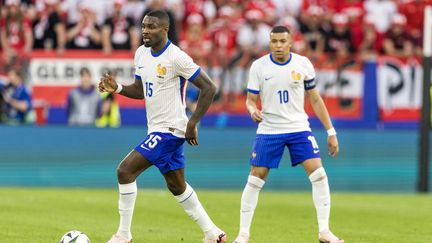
[(195, 41), (252, 40), (223, 36), (414, 12), (371, 41), (84, 34), (397, 41), (17, 100), (15, 32), (49, 31), (339, 39), (381, 11), (118, 32), (134, 9), (312, 30), (84, 102), (267, 8), (205, 8)]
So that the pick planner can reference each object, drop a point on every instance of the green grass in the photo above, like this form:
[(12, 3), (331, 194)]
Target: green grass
[(32, 215)]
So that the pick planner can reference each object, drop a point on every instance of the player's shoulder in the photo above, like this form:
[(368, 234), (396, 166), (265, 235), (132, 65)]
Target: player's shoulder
[(300, 59), (176, 51), (262, 61), (141, 50)]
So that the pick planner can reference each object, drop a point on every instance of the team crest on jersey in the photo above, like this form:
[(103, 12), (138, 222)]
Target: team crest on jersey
[(161, 71), (295, 76), (253, 155)]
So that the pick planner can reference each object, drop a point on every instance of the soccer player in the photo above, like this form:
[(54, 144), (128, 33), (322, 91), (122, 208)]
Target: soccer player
[(281, 80), (161, 71)]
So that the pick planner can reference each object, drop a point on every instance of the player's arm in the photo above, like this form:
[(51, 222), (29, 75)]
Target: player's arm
[(251, 106), (321, 112), (207, 92), (134, 91)]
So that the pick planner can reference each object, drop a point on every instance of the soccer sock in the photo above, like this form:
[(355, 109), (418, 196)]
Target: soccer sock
[(249, 201), (192, 206), (321, 197), (128, 194)]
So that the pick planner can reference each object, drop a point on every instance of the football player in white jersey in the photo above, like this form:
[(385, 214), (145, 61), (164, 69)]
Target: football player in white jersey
[(161, 71), (281, 80)]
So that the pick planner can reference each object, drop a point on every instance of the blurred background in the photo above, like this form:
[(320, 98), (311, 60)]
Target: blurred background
[(58, 130)]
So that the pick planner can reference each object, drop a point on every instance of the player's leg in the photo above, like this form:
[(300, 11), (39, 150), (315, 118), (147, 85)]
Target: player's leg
[(249, 200), (321, 198), (128, 170), (304, 150), (188, 199), (267, 152)]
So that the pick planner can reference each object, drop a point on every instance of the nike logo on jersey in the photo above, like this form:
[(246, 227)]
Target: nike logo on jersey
[(140, 67), (142, 146), (316, 151), (267, 78)]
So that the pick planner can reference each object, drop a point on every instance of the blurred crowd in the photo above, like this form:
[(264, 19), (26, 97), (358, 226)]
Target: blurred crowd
[(223, 36)]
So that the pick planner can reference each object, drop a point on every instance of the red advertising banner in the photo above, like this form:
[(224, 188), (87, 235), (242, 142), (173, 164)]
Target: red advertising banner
[(399, 83), (53, 76)]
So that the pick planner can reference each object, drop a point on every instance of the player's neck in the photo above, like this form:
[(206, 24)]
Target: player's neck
[(283, 59), (157, 48)]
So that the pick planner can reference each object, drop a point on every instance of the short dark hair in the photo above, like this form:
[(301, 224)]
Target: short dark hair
[(161, 15), (280, 29), (85, 70)]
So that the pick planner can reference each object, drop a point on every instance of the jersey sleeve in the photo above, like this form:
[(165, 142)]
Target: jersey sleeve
[(253, 85), (309, 81), (185, 66), (137, 66)]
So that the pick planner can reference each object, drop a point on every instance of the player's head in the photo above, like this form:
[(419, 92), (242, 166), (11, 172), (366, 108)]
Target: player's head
[(154, 27), (280, 42)]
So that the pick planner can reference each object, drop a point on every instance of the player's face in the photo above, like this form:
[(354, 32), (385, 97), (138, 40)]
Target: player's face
[(152, 31), (280, 45)]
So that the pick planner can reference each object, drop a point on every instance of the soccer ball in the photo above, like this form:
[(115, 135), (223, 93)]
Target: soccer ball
[(74, 236)]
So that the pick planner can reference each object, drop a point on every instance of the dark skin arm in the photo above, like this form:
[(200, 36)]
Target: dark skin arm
[(134, 91), (207, 92)]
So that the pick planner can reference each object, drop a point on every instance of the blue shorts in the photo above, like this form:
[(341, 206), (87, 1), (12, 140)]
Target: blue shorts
[(268, 148), (163, 150)]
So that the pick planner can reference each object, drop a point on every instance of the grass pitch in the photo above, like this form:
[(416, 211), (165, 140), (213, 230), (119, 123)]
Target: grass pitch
[(40, 215)]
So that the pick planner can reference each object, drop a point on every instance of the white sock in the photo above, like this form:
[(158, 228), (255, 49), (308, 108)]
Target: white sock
[(249, 201), (192, 206), (321, 197), (128, 194)]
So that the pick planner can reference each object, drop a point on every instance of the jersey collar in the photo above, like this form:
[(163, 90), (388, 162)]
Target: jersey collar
[(156, 54), (280, 64)]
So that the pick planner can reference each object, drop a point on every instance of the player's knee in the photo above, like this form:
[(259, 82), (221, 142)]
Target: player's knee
[(318, 175), (124, 175), (175, 188)]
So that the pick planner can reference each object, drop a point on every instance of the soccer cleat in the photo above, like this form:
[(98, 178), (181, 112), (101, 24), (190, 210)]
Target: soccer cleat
[(119, 239), (242, 238), (222, 238), (329, 237)]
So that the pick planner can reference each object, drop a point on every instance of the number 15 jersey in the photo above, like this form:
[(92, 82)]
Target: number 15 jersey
[(281, 87), (164, 76)]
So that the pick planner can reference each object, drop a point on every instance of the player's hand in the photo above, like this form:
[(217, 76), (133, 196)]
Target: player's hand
[(191, 134), (107, 84), (257, 116), (333, 145)]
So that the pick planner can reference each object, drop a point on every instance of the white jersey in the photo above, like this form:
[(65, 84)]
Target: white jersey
[(282, 90), (164, 76)]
